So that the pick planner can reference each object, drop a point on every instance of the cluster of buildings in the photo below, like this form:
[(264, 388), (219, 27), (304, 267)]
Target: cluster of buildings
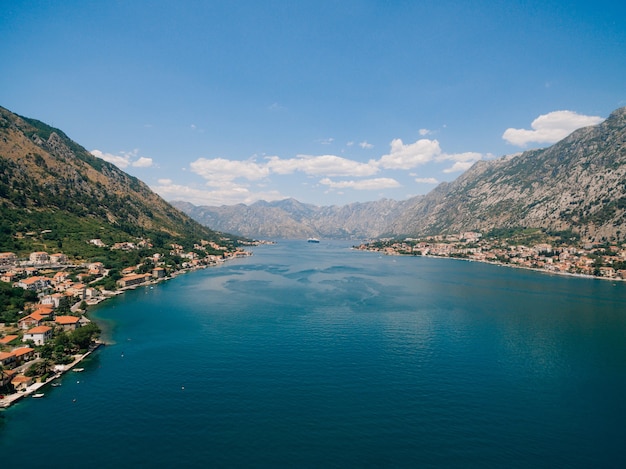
[(19, 343), (606, 261), (59, 285)]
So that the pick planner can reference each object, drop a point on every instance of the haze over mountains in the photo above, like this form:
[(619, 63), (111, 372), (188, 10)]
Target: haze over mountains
[(577, 184)]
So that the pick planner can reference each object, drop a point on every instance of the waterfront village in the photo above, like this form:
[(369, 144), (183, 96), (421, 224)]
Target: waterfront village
[(51, 333), (607, 260)]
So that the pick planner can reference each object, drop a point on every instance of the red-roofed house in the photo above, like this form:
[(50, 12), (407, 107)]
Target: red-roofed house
[(77, 289), (60, 277), (8, 277), (21, 382), (8, 258), (7, 359), (34, 283), (32, 320), (6, 340), (39, 335), (131, 280), (23, 354), (69, 323), (96, 268), (43, 310), (129, 270), (39, 257)]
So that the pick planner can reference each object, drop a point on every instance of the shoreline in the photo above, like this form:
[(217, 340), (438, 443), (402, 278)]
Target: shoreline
[(502, 264), (9, 399)]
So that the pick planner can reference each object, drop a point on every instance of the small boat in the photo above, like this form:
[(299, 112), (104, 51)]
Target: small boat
[(38, 395), (55, 385), (78, 370), (313, 240)]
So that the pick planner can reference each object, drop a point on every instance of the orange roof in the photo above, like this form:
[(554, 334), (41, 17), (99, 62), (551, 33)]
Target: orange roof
[(5, 355), (22, 351), (8, 373), (66, 320), (37, 316), (21, 379), (134, 277), (8, 339), (39, 330), (29, 280)]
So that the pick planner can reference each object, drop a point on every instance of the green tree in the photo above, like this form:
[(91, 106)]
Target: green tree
[(82, 337)]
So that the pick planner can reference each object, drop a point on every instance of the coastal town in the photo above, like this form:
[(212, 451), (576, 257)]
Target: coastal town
[(51, 333), (606, 260)]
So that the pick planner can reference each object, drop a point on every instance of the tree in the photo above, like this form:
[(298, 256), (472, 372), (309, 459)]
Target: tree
[(82, 337), (39, 368)]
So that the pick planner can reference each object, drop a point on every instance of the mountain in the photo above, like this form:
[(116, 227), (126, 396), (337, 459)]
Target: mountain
[(292, 219), (577, 185), (54, 193)]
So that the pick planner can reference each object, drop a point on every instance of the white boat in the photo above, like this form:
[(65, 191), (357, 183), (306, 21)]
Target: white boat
[(313, 240), (38, 395), (78, 370)]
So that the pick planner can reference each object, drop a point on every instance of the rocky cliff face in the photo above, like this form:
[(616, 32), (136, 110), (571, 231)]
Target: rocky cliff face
[(290, 219), (577, 184)]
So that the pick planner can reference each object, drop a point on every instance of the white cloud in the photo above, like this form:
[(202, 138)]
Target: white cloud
[(467, 156), (219, 170), (142, 162), (124, 159), (165, 182), (364, 184), (462, 161), (411, 155), (366, 145), (459, 166), (229, 194), (550, 128), (117, 160), (326, 141), (324, 165), (426, 180), (424, 132)]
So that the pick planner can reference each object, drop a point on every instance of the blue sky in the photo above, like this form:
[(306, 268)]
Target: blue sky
[(328, 102)]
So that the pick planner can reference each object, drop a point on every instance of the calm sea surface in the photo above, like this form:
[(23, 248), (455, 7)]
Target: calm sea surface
[(317, 355)]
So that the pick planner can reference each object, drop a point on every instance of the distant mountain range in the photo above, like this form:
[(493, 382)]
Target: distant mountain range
[(290, 219), (578, 185), (55, 195)]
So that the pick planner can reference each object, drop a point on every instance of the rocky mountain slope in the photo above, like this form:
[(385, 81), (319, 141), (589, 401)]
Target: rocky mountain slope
[(290, 219), (578, 184), (50, 184)]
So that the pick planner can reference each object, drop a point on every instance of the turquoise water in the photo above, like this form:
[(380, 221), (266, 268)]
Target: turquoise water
[(316, 355)]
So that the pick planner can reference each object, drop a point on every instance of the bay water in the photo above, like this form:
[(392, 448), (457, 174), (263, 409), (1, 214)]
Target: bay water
[(316, 355)]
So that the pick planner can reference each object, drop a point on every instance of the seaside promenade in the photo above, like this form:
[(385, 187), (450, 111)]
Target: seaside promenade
[(10, 399)]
